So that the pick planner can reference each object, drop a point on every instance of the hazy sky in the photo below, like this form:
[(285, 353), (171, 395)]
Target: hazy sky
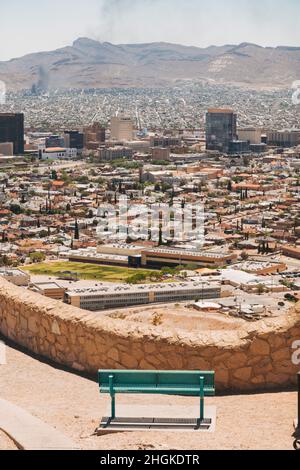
[(34, 25)]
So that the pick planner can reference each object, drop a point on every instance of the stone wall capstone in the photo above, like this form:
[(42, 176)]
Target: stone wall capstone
[(256, 357)]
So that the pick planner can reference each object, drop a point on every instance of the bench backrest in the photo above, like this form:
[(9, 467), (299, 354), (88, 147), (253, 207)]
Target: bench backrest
[(159, 379)]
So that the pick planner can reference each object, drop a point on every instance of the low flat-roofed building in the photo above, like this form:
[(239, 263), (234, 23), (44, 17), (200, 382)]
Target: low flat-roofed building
[(123, 295), (7, 149), (122, 249), (284, 138), (15, 276), (90, 255), (290, 251), (58, 153), (262, 267), (115, 153), (237, 278), (157, 258), (49, 289), (160, 153), (250, 282), (10, 161), (239, 146)]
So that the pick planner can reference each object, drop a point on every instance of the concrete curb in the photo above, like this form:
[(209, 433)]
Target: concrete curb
[(30, 433)]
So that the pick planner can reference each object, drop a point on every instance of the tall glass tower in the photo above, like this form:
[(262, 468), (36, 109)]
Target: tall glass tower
[(12, 130), (221, 129)]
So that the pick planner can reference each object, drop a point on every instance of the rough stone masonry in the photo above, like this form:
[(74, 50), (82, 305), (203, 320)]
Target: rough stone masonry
[(255, 357)]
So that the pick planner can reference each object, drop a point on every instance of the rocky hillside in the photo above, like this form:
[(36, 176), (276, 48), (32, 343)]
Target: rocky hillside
[(91, 64)]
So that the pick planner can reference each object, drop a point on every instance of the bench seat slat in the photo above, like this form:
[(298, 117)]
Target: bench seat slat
[(159, 386), (182, 389)]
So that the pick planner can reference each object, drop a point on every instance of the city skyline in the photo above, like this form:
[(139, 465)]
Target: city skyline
[(197, 23)]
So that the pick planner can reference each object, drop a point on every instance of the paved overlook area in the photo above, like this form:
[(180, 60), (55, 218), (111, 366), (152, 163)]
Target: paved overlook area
[(71, 404)]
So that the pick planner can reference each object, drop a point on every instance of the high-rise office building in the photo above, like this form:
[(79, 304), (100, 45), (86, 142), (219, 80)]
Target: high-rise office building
[(121, 128), (94, 136), (74, 140), (221, 129), (12, 130)]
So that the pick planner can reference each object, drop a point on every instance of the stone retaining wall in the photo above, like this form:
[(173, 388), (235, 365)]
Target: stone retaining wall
[(255, 357)]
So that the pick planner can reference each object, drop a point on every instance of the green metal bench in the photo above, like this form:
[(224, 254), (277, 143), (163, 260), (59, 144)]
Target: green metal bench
[(194, 384)]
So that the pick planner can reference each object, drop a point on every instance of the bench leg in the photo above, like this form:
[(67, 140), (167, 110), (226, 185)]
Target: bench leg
[(112, 396), (113, 407), (201, 398)]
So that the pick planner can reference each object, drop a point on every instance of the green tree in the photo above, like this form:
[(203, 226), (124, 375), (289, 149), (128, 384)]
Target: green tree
[(54, 175), (37, 257), (136, 278), (16, 209), (76, 231), (43, 234), (229, 186), (5, 261), (260, 289)]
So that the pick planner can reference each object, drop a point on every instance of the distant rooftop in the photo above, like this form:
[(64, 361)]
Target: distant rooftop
[(220, 110), (115, 289), (188, 253), (55, 149)]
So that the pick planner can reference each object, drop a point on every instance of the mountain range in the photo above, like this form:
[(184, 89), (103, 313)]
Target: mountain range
[(92, 64)]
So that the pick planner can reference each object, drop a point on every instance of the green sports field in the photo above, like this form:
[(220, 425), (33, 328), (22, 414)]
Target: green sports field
[(85, 271)]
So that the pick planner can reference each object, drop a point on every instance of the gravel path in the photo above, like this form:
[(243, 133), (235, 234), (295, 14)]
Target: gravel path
[(73, 405)]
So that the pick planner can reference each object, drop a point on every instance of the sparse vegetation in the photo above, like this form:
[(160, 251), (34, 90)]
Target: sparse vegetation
[(37, 257), (157, 319)]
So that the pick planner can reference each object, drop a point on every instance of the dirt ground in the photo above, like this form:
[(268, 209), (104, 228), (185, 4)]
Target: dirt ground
[(180, 317), (6, 443), (73, 405)]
